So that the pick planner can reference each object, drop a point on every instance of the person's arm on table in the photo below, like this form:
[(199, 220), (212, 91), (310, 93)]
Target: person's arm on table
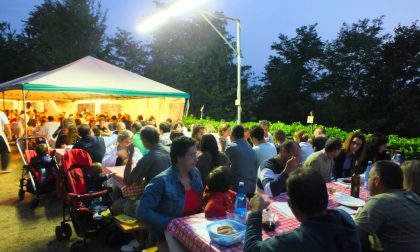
[(253, 236), (135, 175)]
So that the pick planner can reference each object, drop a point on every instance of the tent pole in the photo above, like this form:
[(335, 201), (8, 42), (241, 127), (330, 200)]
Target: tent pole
[(24, 117), (187, 107)]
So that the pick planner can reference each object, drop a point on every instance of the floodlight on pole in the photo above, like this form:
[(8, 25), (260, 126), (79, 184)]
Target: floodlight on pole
[(175, 9), (183, 6)]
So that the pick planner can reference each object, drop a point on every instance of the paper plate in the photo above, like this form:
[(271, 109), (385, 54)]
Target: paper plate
[(347, 200)]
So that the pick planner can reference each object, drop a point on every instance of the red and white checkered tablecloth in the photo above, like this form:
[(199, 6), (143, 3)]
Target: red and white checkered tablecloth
[(191, 231), (118, 173)]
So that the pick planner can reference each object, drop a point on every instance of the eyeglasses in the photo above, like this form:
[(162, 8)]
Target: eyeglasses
[(358, 143)]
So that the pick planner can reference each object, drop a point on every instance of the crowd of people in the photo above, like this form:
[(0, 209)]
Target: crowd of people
[(190, 171)]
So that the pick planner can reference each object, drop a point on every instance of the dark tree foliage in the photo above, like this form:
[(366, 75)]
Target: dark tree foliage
[(401, 73), (124, 51), (59, 32), (15, 55), (353, 62), (361, 80), (189, 55), (292, 76)]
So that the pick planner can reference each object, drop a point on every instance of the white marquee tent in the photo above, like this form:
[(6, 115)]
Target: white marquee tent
[(93, 83)]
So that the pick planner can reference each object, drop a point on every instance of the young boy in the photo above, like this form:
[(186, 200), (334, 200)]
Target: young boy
[(95, 182), (43, 162)]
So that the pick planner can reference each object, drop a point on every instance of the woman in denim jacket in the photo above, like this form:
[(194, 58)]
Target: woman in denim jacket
[(175, 192)]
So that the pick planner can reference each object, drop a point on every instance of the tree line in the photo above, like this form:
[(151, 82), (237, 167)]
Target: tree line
[(363, 79)]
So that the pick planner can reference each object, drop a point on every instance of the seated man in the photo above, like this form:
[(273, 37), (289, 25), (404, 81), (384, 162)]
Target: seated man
[(93, 145), (165, 132), (320, 229), (153, 163), (323, 161), (392, 216), (273, 173)]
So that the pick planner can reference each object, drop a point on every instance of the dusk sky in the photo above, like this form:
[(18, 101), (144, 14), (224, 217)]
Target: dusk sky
[(262, 21)]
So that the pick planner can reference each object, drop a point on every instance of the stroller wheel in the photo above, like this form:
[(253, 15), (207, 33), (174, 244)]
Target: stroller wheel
[(78, 246), (21, 194), (66, 228), (59, 233)]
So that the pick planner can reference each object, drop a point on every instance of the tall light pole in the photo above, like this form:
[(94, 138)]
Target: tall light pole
[(185, 5), (237, 52)]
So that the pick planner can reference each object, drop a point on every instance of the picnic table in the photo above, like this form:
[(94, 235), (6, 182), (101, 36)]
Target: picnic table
[(192, 233)]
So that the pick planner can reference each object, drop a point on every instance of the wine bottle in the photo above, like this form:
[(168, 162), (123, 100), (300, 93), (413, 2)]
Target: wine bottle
[(355, 185)]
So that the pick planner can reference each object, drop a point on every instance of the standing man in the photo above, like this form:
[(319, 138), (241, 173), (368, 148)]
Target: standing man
[(266, 125), (48, 130), (263, 150), (243, 161), (4, 144), (320, 138)]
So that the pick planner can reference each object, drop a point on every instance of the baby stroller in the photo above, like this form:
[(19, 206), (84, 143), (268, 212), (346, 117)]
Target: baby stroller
[(34, 180), (72, 187)]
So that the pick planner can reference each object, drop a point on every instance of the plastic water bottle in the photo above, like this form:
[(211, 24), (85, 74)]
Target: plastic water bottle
[(369, 166), (240, 202)]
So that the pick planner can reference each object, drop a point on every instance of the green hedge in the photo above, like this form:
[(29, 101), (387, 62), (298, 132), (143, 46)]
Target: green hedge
[(411, 146)]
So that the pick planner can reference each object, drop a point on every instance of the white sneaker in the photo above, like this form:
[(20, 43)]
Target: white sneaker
[(131, 246)]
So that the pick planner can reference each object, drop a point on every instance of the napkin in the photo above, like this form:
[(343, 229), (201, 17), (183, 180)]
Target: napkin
[(284, 208), (201, 229), (347, 210), (342, 184)]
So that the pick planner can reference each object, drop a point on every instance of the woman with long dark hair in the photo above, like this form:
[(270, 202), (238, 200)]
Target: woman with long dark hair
[(349, 159), (68, 134), (211, 157), (375, 149)]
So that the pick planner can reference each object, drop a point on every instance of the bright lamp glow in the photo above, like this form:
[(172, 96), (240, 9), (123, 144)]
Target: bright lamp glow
[(175, 9)]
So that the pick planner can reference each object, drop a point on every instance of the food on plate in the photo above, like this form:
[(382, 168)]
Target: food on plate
[(226, 230)]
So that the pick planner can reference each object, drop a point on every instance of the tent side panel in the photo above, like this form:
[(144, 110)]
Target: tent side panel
[(161, 108)]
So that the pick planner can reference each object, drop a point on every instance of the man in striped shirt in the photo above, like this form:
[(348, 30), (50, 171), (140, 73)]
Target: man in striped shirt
[(391, 218), (273, 173)]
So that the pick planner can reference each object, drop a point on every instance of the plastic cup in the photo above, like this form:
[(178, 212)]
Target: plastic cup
[(268, 221), (231, 215)]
